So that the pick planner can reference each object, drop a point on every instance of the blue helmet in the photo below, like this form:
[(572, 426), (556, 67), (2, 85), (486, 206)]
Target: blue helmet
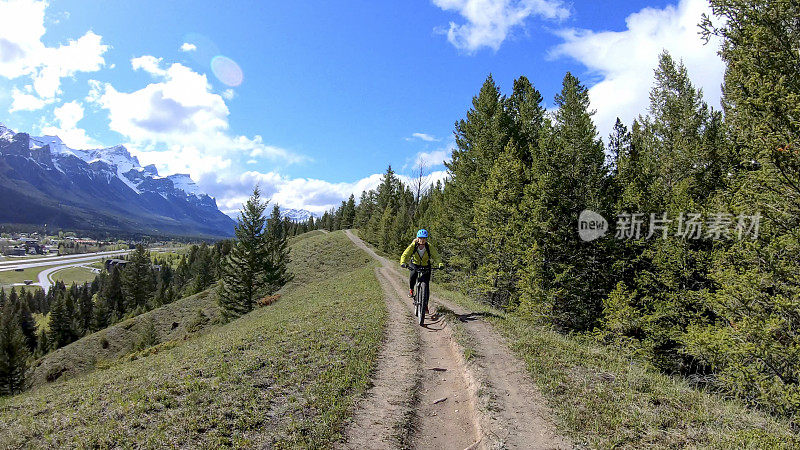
[(423, 233)]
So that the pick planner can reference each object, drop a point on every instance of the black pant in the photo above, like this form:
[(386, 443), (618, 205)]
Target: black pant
[(426, 276)]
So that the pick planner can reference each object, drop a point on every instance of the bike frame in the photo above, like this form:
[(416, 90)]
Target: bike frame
[(420, 304)]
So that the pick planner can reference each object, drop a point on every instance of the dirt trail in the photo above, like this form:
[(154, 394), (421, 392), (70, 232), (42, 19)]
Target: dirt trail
[(416, 370)]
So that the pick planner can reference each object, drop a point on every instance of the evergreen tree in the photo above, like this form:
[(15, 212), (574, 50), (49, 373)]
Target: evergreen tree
[(203, 269), (677, 168), (101, 314), (27, 324), (86, 310), (138, 282), (112, 292), (14, 352), (61, 326), (563, 279), (243, 274), (276, 270), (498, 222), (364, 210), (349, 213), (752, 342), (480, 139)]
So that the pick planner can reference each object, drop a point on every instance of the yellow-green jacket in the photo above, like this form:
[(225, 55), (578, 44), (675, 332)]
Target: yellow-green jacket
[(431, 256)]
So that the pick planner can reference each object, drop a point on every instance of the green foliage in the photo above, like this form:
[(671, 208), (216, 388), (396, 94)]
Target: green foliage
[(138, 279), (256, 264), (497, 222), (148, 336), (14, 350), (564, 278)]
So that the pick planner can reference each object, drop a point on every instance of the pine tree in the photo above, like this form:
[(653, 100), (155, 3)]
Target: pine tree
[(385, 230), (563, 278), (276, 270), (27, 324), (752, 344), (243, 274), (386, 191), (497, 222), (480, 139), (349, 214), (202, 267), (364, 210), (527, 113), (674, 170), (61, 331), (14, 352), (85, 310), (101, 314), (112, 292), (138, 283)]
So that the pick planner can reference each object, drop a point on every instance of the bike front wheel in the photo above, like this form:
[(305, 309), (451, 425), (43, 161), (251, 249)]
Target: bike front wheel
[(422, 302)]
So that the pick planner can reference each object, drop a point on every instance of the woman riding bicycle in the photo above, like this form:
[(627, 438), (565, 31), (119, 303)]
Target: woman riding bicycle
[(421, 253)]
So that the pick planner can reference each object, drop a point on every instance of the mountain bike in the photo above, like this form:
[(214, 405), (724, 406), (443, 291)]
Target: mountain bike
[(421, 290)]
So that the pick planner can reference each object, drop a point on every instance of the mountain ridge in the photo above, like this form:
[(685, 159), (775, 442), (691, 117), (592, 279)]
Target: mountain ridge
[(43, 181)]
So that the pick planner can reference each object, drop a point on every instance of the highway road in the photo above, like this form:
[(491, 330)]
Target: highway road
[(59, 260), (46, 276)]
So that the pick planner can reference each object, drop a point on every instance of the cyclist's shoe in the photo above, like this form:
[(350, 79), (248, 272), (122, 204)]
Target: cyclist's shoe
[(410, 293)]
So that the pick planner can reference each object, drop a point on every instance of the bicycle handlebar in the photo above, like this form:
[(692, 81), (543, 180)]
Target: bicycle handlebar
[(412, 266)]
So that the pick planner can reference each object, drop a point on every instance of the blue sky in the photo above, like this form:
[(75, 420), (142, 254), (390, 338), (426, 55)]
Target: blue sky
[(318, 97)]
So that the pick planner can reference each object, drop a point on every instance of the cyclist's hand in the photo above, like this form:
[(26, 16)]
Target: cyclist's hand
[(404, 266)]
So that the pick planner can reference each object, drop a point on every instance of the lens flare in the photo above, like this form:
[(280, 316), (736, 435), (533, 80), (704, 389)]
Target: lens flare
[(226, 70)]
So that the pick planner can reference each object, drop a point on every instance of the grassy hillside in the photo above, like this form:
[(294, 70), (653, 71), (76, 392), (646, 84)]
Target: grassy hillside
[(176, 321), (603, 397), (284, 375)]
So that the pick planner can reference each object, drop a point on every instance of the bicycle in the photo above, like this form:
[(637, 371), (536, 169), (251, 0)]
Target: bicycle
[(421, 291)]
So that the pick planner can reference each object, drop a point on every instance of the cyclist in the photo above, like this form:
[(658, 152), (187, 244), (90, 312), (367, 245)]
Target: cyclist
[(422, 253)]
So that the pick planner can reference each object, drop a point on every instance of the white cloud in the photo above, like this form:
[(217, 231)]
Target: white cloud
[(22, 53), (489, 22), (228, 94), (625, 60), (22, 101), (432, 159), (311, 194), (68, 115), (424, 136), (187, 47), (179, 124), (149, 64)]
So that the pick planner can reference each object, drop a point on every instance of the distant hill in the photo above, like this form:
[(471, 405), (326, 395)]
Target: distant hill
[(42, 181)]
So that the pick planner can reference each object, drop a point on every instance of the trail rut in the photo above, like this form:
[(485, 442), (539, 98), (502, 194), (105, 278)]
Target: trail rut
[(425, 395)]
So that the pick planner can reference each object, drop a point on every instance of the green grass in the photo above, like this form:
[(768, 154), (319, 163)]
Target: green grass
[(78, 275), (283, 376), (8, 277), (305, 235), (604, 398), (176, 321)]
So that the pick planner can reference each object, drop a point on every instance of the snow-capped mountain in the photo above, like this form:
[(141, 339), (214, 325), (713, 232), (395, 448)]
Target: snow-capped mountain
[(59, 183), (297, 215)]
